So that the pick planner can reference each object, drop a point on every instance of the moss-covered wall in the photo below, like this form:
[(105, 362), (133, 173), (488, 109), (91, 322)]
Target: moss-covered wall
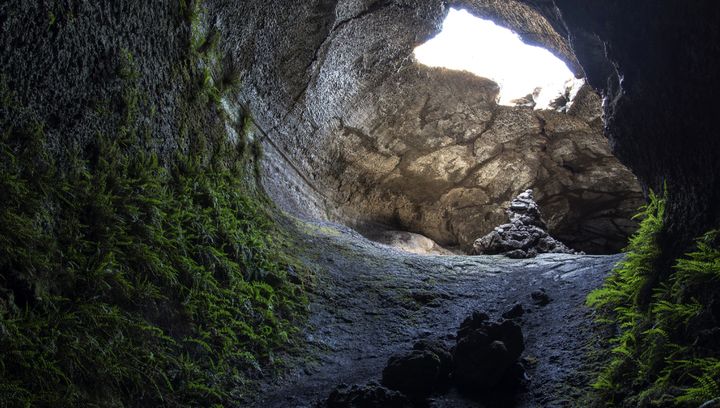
[(140, 264), (62, 60)]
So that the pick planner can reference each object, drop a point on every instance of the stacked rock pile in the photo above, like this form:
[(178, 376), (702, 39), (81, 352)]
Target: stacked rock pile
[(524, 236)]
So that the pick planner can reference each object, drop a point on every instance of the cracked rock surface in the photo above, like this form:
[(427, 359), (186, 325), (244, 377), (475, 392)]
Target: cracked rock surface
[(372, 302), (360, 133), (431, 152)]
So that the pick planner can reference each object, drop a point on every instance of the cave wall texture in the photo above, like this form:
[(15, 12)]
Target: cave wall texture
[(62, 59), (375, 140), (653, 62), (132, 228), (657, 64)]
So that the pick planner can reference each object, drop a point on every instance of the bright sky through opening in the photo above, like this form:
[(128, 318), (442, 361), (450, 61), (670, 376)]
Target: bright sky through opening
[(479, 46)]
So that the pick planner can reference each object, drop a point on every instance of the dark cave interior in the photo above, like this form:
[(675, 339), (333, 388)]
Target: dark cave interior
[(182, 183)]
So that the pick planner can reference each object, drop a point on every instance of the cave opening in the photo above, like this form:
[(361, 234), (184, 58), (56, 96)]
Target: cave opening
[(440, 148), (469, 43)]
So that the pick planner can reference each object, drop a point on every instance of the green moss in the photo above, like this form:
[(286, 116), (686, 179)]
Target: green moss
[(52, 19), (314, 229), (658, 358), (134, 280)]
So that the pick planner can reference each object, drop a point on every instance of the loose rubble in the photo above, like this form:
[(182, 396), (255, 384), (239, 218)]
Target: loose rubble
[(524, 237), (366, 396), (484, 361)]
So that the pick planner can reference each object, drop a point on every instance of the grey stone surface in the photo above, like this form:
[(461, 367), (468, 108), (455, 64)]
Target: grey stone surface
[(393, 144), (409, 242), (372, 302)]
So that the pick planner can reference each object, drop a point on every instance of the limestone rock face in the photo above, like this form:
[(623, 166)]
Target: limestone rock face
[(377, 139), (524, 236), (435, 154)]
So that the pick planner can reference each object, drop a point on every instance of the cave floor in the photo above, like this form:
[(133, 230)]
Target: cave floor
[(371, 301)]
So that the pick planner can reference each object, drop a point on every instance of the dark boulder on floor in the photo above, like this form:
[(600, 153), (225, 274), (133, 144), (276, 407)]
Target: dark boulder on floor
[(414, 374), (514, 312), (443, 353), (371, 395), (540, 297), (475, 321), (486, 355)]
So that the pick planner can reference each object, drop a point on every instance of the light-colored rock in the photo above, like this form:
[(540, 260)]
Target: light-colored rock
[(558, 122), (410, 242), (434, 153), (398, 149), (447, 165)]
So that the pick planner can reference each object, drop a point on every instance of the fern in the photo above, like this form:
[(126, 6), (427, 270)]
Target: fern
[(128, 280), (654, 358)]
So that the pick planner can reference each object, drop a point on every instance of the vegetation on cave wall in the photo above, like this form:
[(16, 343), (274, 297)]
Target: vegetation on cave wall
[(130, 279), (665, 353)]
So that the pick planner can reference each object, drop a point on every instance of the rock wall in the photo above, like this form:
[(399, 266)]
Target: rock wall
[(317, 76), (305, 65), (657, 64), (431, 151), (386, 143), (63, 60)]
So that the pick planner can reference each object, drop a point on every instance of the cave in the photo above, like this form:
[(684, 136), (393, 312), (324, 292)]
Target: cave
[(433, 151), (253, 204)]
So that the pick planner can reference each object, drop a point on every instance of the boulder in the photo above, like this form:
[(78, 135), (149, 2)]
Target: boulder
[(486, 355), (514, 312), (414, 374), (442, 352)]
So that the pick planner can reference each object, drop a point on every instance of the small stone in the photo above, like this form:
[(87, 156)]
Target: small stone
[(540, 297), (514, 312), (370, 395), (530, 361)]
